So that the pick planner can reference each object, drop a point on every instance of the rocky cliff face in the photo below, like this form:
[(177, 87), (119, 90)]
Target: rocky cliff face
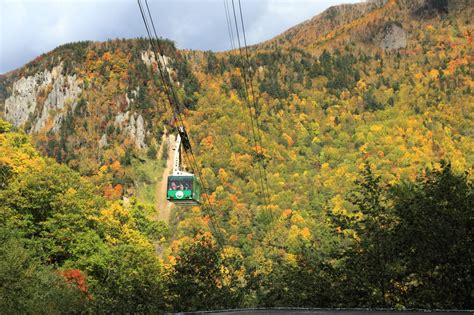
[(43, 96), (41, 102)]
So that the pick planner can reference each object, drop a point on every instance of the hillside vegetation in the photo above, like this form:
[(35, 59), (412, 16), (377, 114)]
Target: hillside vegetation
[(366, 115)]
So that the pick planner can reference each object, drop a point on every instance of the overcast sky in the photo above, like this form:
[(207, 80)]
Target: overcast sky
[(29, 28)]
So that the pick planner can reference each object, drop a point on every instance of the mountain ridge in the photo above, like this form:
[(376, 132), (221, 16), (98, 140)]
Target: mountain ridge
[(132, 120)]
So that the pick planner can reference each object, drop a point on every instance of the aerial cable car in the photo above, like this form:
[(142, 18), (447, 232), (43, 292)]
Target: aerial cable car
[(183, 187)]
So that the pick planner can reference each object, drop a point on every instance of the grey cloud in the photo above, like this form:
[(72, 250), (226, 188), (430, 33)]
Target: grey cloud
[(30, 28)]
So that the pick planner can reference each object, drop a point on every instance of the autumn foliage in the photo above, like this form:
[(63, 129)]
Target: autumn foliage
[(366, 152)]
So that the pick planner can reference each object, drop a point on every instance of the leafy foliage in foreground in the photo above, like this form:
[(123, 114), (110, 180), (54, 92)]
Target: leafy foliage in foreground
[(410, 249), (54, 222)]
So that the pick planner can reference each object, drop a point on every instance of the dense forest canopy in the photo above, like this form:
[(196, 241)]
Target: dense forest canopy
[(367, 149)]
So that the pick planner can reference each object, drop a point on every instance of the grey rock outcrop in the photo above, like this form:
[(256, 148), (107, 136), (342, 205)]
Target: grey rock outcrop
[(134, 127), (392, 37), (65, 91), (149, 58), (121, 118), (23, 103), (103, 141)]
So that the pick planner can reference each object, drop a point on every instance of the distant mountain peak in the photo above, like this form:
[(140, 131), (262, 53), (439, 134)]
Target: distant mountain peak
[(374, 24)]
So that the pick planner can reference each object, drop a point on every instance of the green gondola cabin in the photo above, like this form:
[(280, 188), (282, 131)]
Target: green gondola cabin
[(184, 189)]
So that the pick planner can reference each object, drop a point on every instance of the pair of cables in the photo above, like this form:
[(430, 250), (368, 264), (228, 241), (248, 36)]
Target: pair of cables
[(174, 104), (250, 97)]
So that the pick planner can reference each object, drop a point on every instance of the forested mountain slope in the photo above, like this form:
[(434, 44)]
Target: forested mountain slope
[(366, 115)]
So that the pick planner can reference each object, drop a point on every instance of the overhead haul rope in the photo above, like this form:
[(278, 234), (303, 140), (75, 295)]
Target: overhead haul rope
[(175, 108), (248, 86), (190, 158), (229, 24), (255, 102), (176, 111), (255, 134)]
